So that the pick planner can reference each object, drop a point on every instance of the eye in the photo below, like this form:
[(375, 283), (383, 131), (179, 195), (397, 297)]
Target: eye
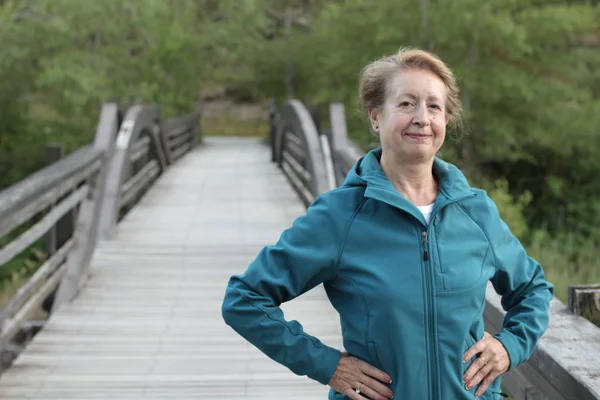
[(405, 104), (436, 106)]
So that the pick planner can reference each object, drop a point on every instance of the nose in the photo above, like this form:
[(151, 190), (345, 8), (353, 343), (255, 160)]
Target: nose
[(421, 117)]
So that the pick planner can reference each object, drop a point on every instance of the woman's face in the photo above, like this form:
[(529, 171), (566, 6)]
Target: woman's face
[(412, 122)]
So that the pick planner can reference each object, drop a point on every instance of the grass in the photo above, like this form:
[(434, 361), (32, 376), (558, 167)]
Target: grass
[(227, 124), (566, 261)]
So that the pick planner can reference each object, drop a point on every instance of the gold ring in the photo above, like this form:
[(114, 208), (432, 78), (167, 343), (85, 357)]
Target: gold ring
[(484, 361)]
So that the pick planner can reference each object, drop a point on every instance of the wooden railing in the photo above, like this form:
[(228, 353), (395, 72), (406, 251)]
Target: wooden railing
[(300, 152), (566, 363), (180, 135), (95, 186)]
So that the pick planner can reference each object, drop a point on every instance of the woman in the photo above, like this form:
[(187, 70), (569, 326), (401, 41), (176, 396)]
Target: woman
[(404, 248)]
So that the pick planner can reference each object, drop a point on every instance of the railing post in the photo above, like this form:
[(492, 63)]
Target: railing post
[(156, 137), (584, 300), (85, 235), (138, 119), (272, 128), (196, 131), (54, 152)]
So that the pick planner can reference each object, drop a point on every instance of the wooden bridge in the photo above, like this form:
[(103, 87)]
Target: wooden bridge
[(143, 228)]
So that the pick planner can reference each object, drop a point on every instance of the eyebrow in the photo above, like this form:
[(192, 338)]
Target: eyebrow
[(414, 97)]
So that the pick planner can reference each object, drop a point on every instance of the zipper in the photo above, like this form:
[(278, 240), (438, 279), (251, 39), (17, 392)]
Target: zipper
[(433, 353), (425, 241), (430, 319)]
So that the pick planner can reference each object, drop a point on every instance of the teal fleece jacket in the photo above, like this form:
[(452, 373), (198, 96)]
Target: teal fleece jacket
[(410, 295)]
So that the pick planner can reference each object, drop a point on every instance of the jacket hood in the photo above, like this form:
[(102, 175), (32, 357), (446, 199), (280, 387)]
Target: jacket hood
[(367, 172)]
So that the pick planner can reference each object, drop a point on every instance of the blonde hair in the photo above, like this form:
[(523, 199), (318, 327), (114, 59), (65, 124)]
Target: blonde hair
[(375, 78)]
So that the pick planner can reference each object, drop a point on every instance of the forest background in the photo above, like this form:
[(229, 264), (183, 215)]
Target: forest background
[(529, 73)]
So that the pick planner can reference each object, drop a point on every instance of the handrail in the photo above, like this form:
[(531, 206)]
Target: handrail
[(297, 150), (180, 135), (97, 185), (566, 362), (345, 152), (129, 174), (63, 187)]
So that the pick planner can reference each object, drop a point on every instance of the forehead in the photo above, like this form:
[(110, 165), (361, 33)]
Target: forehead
[(417, 83)]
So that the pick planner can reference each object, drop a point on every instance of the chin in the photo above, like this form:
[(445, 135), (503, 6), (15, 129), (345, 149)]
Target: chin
[(418, 156)]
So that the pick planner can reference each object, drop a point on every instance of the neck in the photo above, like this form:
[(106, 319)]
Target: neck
[(415, 181)]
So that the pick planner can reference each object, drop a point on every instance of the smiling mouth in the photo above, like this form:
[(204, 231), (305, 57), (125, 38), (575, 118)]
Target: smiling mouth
[(418, 135)]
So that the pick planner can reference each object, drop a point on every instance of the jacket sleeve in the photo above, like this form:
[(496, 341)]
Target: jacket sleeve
[(305, 255), (526, 294)]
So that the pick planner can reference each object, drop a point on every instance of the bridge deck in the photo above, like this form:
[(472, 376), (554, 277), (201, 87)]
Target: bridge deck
[(147, 324)]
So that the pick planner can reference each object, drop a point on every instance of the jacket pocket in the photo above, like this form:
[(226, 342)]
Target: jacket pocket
[(373, 353), (462, 250)]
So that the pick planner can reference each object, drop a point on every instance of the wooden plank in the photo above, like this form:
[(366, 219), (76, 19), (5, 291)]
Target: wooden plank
[(173, 123), (141, 180), (25, 240), (565, 360), (177, 154), (305, 194), (177, 131), (54, 152), (11, 326), (136, 330), (295, 139), (87, 227), (296, 151), (36, 279), (31, 207), (139, 149), (13, 198), (328, 162), (297, 169), (177, 141), (585, 300), (138, 120)]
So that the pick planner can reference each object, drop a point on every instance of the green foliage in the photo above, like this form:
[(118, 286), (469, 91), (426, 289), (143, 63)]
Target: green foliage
[(530, 86), (527, 71), (63, 58)]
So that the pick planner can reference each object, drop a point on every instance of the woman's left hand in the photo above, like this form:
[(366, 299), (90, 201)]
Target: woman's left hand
[(493, 360)]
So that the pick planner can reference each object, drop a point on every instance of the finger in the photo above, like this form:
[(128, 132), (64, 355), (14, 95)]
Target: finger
[(376, 394), (478, 347), (486, 383), (377, 387), (352, 394), (373, 372), (479, 363), (478, 377)]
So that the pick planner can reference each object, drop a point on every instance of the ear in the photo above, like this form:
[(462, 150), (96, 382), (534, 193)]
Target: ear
[(373, 119)]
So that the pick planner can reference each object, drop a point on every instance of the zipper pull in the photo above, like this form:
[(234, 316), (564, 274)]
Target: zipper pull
[(425, 241)]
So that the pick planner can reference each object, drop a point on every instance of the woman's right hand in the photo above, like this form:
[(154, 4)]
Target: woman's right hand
[(352, 373)]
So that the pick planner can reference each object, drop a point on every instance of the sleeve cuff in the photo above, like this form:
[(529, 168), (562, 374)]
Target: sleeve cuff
[(327, 366), (509, 341)]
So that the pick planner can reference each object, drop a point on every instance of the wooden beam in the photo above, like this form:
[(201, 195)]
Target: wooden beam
[(25, 292), (12, 198), (14, 324), (87, 229), (31, 207), (15, 247), (584, 300)]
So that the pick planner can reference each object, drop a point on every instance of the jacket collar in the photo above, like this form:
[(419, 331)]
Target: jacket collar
[(367, 171)]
